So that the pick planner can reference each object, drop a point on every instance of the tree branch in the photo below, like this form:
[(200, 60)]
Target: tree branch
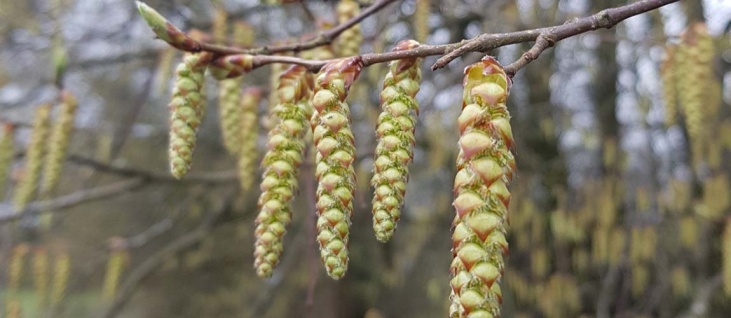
[(604, 19), (8, 213), (147, 267), (544, 38), (208, 177)]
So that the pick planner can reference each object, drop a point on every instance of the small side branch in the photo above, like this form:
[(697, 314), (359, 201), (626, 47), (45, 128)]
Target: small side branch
[(8, 214), (543, 42)]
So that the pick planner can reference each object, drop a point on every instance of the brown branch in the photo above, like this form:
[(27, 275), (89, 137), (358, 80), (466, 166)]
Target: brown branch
[(8, 214), (323, 38), (544, 38), (605, 19)]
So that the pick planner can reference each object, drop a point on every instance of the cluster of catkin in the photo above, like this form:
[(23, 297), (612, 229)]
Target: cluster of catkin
[(45, 153), (50, 282)]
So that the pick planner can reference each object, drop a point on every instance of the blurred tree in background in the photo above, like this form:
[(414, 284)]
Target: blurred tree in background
[(620, 204)]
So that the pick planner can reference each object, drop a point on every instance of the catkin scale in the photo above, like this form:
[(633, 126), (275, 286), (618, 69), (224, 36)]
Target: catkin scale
[(485, 165), (187, 109), (334, 158), (395, 134), (286, 143), (28, 185)]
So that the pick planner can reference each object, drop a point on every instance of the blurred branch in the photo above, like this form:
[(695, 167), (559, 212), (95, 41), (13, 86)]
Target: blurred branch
[(208, 177), (699, 307), (147, 267), (8, 213)]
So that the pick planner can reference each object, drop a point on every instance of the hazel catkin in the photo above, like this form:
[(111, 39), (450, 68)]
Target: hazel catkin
[(485, 166)]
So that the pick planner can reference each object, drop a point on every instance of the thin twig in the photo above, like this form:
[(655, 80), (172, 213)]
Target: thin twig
[(544, 37), (136, 276), (207, 177), (7, 213)]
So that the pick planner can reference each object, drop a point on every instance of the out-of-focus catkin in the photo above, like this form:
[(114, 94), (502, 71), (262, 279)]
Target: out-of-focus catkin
[(229, 108), (17, 264), (7, 149), (348, 43), (669, 88), (61, 273), (115, 266), (248, 155), (726, 258), (335, 155), (58, 142), (395, 134), (187, 110), (28, 185), (421, 20), (40, 274), (285, 146), (485, 166)]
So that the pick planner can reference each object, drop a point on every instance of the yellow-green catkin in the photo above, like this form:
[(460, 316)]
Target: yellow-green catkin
[(485, 166), (230, 113), (61, 273), (17, 264), (28, 185), (285, 146), (348, 43), (58, 142), (698, 91), (669, 88), (243, 34), (395, 134), (115, 266), (421, 20), (335, 155), (726, 258), (7, 152), (248, 155), (40, 274), (187, 110)]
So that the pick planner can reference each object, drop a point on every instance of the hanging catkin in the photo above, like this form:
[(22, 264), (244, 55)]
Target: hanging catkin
[(334, 170), (669, 88), (187, 110), (421, 20), (285, 146), (115, 265), (485, 166), (61, 272), (58, 142), (40, 274), (248, 155), (7, 152), (395, 133), (28, 185), (348, 43)]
